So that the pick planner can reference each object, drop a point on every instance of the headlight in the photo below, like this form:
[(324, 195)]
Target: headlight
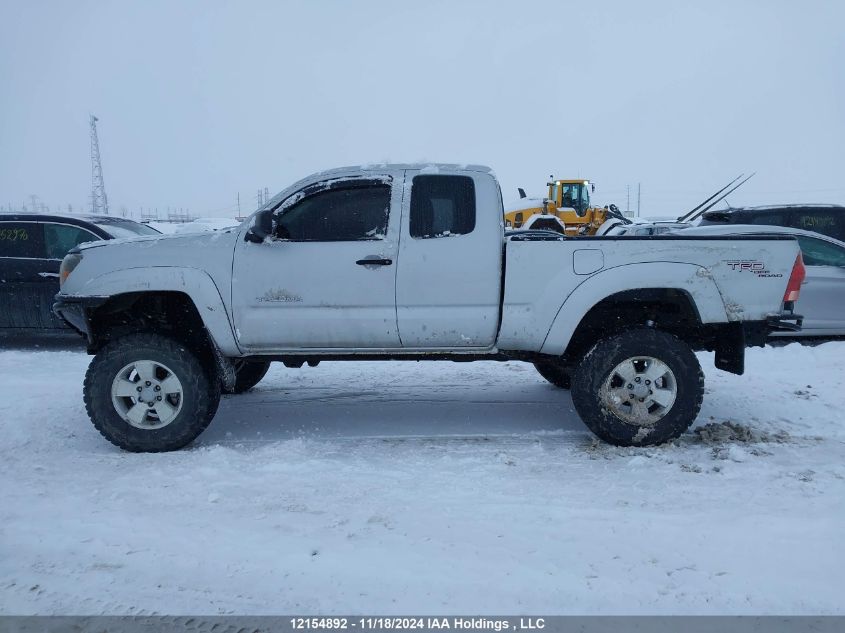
[(70, 262)]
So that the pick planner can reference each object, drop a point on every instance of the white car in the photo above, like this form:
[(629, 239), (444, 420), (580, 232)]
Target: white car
[(822, 302), (641, 229)]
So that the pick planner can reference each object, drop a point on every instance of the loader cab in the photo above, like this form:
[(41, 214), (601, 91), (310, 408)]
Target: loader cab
[(571, 194)]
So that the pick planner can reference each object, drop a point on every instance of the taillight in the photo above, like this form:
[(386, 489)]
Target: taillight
[(793, 288)]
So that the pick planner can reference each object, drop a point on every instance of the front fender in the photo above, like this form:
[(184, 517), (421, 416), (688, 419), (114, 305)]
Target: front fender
[(196, 284), (694, 280)]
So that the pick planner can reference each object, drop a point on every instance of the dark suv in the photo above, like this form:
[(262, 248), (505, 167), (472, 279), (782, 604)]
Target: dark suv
[(827, 219), (31, 249)]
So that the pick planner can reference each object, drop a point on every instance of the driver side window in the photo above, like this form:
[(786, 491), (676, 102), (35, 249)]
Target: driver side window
[(345, 212)]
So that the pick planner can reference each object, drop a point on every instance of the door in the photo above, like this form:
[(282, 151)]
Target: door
[(30, 256), (822, 299), (24, 276), (59, 238), (326, 278), (448, 283)]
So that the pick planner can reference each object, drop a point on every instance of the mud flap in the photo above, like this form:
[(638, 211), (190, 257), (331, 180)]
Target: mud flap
[(225, 368), (730, 349)]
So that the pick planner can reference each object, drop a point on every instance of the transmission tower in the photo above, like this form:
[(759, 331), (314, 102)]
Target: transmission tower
[(99, 201)]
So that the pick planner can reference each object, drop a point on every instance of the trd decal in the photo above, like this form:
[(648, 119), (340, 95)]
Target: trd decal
[(752, 266)]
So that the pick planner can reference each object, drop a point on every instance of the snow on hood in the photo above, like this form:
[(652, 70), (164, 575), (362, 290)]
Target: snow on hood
[(147, 241)]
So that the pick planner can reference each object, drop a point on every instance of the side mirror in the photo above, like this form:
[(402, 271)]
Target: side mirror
[(261, 227)]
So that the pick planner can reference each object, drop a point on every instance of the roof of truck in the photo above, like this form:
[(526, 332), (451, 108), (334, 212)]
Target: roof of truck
[(425, 167)]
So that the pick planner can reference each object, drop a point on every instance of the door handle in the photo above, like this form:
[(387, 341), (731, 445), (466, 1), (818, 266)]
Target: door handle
[(49, 275), (374, 262)]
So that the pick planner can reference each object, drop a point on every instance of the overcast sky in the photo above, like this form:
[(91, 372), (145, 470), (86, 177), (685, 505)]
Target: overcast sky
[(201, 100)]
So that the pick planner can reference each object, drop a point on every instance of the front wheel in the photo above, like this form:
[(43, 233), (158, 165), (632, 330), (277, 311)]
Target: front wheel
[(639, 388), (248, 373), (148, 393)]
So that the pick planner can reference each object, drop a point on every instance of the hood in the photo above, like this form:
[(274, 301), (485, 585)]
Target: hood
[(111, 267), (173, 240)]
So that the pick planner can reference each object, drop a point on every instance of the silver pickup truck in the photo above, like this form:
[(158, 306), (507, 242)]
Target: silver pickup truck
[(412, 262)]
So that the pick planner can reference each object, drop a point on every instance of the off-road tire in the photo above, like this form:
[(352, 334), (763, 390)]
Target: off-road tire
[(248, 374), (601, 360), (554, 373), (200, 393)]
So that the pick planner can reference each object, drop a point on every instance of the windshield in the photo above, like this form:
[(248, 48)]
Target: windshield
[(126, 228), (585, 197), (575, 196)]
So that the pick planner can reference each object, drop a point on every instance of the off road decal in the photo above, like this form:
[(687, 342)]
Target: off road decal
[(751, 266)]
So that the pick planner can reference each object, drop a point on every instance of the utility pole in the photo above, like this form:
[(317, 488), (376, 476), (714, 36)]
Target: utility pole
[(99, 201), (628, 200), (638, 199)]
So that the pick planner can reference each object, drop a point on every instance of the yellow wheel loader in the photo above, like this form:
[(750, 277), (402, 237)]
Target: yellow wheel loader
[(569, 202)]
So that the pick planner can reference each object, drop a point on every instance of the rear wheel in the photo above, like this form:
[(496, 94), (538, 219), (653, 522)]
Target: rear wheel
[(149, 393), (639, 388), (554, 372)]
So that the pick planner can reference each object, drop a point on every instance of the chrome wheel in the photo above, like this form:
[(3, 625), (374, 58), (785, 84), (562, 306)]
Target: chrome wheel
[(640, 390), (147, 394)]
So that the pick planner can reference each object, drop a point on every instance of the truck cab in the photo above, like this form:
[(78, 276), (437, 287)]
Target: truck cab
[(382, 263)]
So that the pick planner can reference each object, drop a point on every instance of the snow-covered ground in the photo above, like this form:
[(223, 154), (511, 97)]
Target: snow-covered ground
[(428, 488)]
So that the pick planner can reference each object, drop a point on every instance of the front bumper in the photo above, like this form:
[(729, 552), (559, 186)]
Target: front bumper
[(75, 311)]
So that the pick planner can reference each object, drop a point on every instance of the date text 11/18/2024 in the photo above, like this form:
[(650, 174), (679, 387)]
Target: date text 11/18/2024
[(417, 623)]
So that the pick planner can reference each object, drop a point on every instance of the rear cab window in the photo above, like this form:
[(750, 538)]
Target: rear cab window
[(442, 206)]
